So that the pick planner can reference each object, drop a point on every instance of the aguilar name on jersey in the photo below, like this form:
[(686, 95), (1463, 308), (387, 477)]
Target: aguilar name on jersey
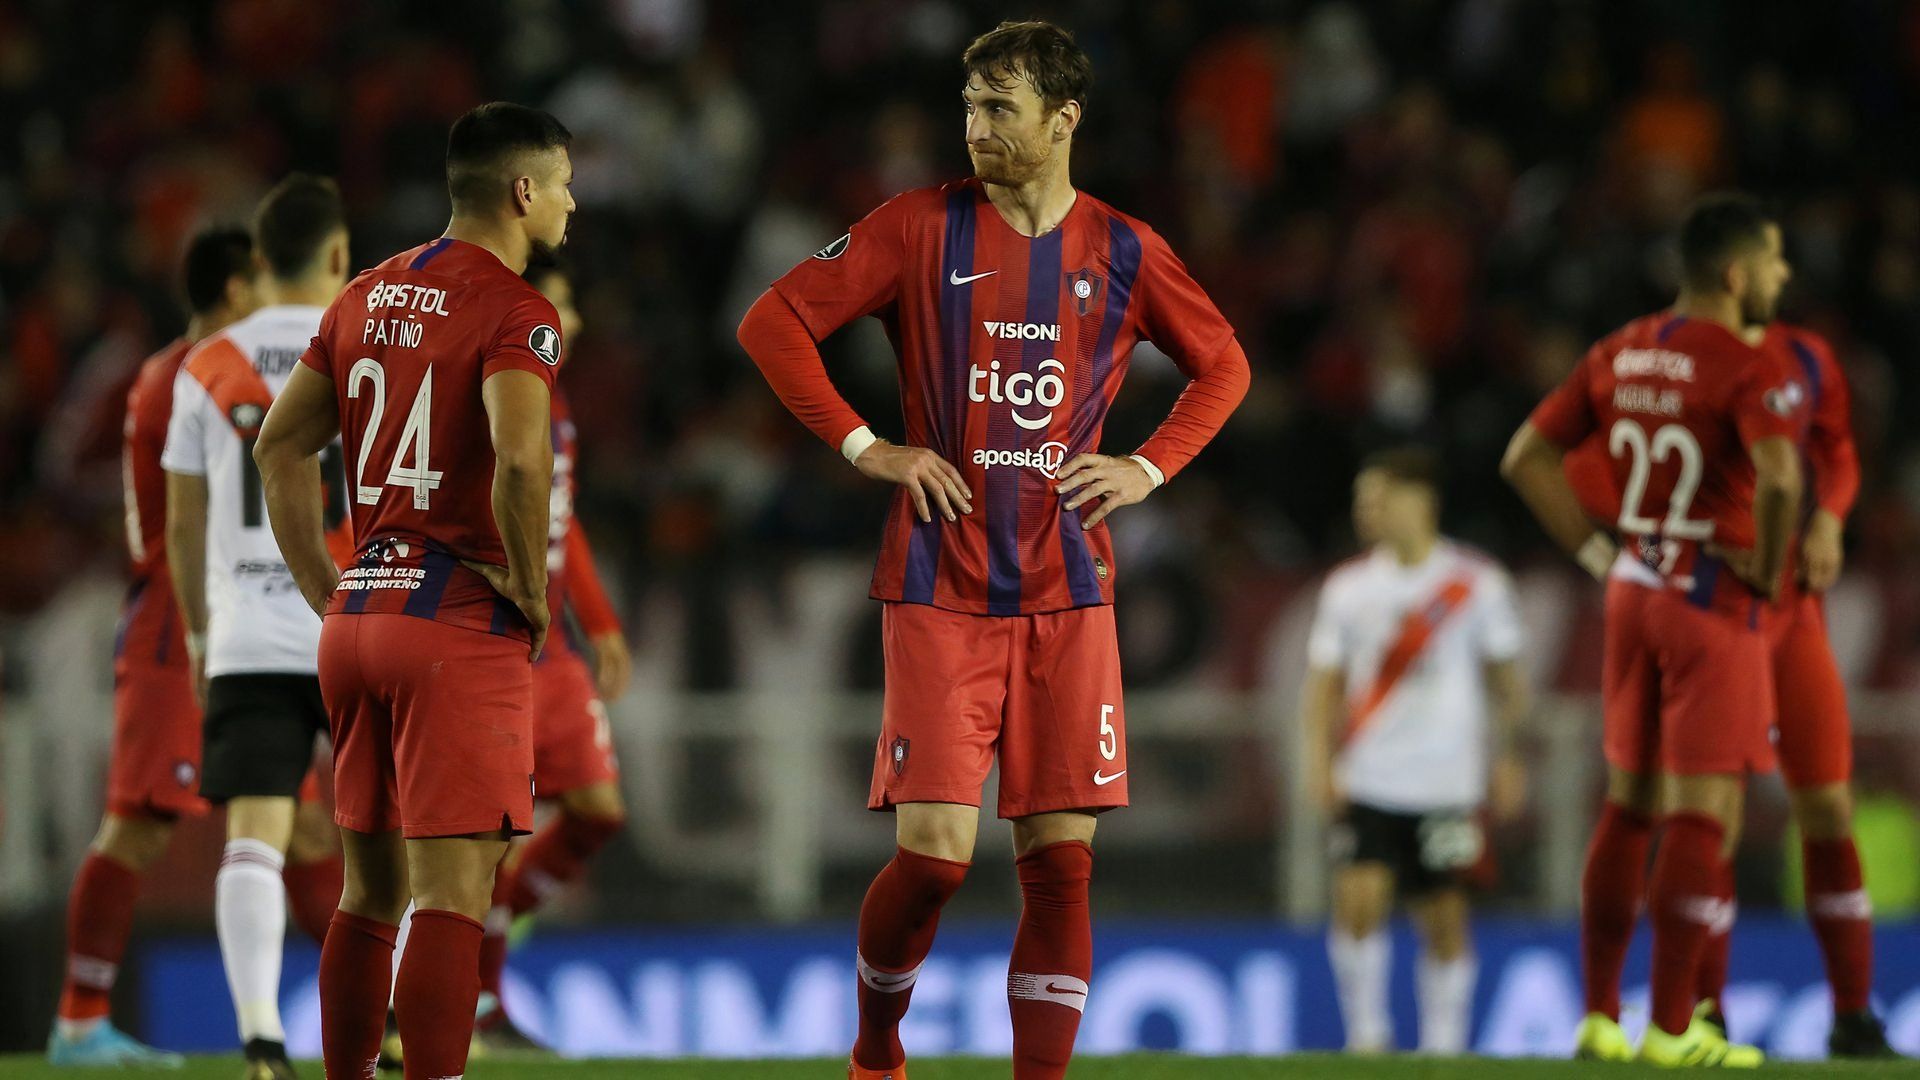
[(257, 621), (1011, 350), (408, 345), (1676, 403)]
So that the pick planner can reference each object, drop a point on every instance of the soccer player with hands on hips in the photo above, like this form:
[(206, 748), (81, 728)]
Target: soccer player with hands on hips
[(1013, 302), (1413, 698), (1699, 430), (435, 368)]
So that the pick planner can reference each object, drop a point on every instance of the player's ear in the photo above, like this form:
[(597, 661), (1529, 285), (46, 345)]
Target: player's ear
[(337, 255), (1066, 120), (522, 195)]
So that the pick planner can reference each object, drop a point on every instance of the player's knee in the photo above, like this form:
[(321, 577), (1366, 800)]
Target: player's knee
[(597, 803), (268, 819), (134, 842), (1824, 813), (939, 830), (1638, 792)]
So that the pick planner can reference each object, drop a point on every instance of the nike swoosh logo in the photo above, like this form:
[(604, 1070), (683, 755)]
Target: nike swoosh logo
[(1101, 779), (955, 279), (1052, 989)]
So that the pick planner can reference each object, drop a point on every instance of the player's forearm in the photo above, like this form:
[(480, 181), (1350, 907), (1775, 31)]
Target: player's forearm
[(522, 495), (187, 547), (294, 511), (1510, 704), (585, 593), (774, 336), (1321, 706), (1532, 466), (1776, 507), (1200, 413), (1836, 472)]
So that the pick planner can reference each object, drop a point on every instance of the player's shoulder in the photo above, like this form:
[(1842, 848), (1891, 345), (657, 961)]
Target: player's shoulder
[(162, 366), (1124, 227), (1802, 344), (1347, 574), (1647, 331), (217, 352), (918, 203), (1475, 562)]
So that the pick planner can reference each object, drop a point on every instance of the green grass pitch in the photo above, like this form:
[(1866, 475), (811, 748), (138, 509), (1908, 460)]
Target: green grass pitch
[(1133, 1067)]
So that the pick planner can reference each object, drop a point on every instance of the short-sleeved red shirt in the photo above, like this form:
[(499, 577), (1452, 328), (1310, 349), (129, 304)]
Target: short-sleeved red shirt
[(408, 345), (1675, 404)]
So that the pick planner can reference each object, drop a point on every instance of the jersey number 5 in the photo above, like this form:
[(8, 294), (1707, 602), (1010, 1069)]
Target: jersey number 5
[(419, 476), (1668, 440)]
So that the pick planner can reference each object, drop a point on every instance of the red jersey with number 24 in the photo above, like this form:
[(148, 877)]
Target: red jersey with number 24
[(1676, 404), (408, 345)]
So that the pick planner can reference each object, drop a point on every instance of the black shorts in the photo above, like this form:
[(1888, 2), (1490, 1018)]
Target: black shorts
[(1426, 852), (259, 733)]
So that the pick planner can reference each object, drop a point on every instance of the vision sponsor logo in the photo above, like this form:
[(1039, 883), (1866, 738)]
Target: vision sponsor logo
[(1023, 331), (406, 296), (1022, 390), (1655, 363), (1048, 458)]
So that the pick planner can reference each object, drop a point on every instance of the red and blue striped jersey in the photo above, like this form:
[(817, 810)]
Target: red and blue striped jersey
[(1011, 349)]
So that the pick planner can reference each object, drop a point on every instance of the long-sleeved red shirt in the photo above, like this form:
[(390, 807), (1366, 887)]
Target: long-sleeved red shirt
[(1011, 350)]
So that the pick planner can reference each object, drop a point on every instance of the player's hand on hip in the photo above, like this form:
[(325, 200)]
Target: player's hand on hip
[(1744, 567), (531, 602), (1115, 481), (932, 481), (612, 664), (1821, 552)]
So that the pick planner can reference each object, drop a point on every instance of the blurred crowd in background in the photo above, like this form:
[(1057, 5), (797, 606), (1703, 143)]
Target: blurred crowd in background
[(1416, 213)]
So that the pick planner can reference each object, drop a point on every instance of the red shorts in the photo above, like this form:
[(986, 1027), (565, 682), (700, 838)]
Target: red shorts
[(572, 743), (1815, 736), (1685, 690), (1044, 690), (155, 767), (432, 726)]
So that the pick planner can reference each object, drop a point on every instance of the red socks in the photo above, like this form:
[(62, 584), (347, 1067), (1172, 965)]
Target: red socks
[(356, 972), (1689, 902), (434, 997), (1842, 918), (1712, 982), (897, 923), (556, 856), (313, 892), (99, 920), (1052, 958), (1610, 892)]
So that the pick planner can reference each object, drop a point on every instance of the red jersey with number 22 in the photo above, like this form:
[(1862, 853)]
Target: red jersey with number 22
[(1676, 404), (408, 345)]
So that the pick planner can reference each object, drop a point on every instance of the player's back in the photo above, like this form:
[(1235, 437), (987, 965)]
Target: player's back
[(408, 346), (257, 621), (1674, 404)]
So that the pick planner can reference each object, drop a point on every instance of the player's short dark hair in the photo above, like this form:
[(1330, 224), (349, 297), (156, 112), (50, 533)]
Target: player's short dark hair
[(1042, 53), (295, 220), (1718, 229), (483, 146), (216, 255), (1406, 465)]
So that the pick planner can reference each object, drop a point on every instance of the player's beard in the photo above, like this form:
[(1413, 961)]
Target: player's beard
[(1758, 310), (1014, 165)]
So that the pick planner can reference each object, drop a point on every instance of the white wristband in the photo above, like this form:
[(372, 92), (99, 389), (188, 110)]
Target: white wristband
[(856, 443), (1153, 471), (1597, 554)]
